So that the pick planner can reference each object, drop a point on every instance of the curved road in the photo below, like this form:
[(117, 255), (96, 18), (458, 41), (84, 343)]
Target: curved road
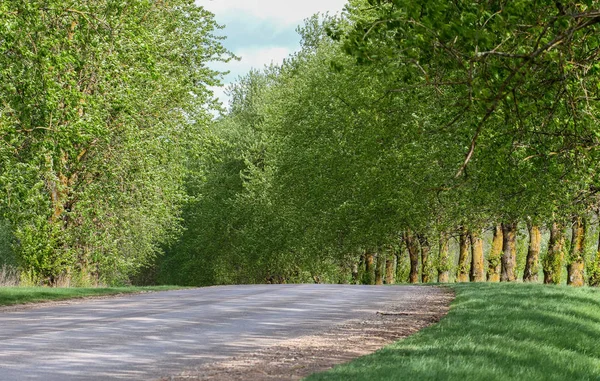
[(147, 336)]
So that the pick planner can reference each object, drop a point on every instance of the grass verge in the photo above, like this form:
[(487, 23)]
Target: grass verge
[(495, 332), (19, 295)]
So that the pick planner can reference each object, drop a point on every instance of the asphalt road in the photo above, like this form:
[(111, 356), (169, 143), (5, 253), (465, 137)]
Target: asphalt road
[(148, 336)]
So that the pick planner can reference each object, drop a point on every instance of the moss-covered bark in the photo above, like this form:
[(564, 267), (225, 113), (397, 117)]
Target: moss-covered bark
[(462, 272), (576, 266), (443, 264), (594, 269), (390, 268), (533, 254), (425, 259), (553, 261), (477, 273), (495, 256)]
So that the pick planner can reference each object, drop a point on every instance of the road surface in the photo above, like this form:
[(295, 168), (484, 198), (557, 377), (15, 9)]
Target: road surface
[(148, 336)]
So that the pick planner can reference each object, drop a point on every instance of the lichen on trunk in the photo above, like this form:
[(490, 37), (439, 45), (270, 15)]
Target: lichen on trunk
[(390, 267), (443, 259), (425, 259), (477, 273), (533, 254), (495, 256), (553, 261), (594, 270), (462, 273), (576, 266)]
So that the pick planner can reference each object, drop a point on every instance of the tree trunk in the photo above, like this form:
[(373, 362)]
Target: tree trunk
[(509, 252), (379, 268), (576, 266), (477, 273), (553, 262), (462, 274), (444, 260), (495, 257), (425, 261), (355, 273), (390, 267), (369, 277), (413, 252), (533, 254), (594, 279), (399, 262)]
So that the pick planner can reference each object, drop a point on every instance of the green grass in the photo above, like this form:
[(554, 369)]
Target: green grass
[(495, 332), (19, 295)]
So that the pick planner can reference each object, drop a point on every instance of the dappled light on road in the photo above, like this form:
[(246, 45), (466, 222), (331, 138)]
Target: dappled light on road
[(153, 335)]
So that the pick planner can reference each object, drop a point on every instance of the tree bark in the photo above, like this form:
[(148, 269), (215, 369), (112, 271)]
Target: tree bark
[(576, 266), (533, 254), (379, 268), (444, 260), (425, 260), (594, 272), (462, 273), (413, 252), (369, 277), (553, 262), (495, 257), (390, 267), (355, 272), (509, 252), (477, 273)]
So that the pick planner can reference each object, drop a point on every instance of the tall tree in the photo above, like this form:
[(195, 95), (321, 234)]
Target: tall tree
[(100, 104)]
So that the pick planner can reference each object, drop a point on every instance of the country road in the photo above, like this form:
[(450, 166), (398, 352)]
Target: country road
[(148, 336)]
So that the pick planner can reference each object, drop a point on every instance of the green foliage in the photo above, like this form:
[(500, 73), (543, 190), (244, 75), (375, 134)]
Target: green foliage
[(7, 256), (100, 104), (398, 115)]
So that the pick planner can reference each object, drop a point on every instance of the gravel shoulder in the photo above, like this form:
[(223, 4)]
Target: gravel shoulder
[(299, 357)]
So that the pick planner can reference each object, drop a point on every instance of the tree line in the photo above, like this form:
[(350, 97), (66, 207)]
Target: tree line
[(408, 140), (102, 103), (405, 142)]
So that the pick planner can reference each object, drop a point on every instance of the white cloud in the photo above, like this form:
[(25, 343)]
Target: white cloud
[(282, 12), (255, 58), (263, 30)]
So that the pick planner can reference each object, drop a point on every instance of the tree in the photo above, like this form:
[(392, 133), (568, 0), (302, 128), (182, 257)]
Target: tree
[(100, 104)]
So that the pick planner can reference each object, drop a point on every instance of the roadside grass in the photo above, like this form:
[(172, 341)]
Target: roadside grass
[(495, 332), (19, 295)]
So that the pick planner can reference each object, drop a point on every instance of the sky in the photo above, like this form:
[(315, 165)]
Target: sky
[(262, 31)]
